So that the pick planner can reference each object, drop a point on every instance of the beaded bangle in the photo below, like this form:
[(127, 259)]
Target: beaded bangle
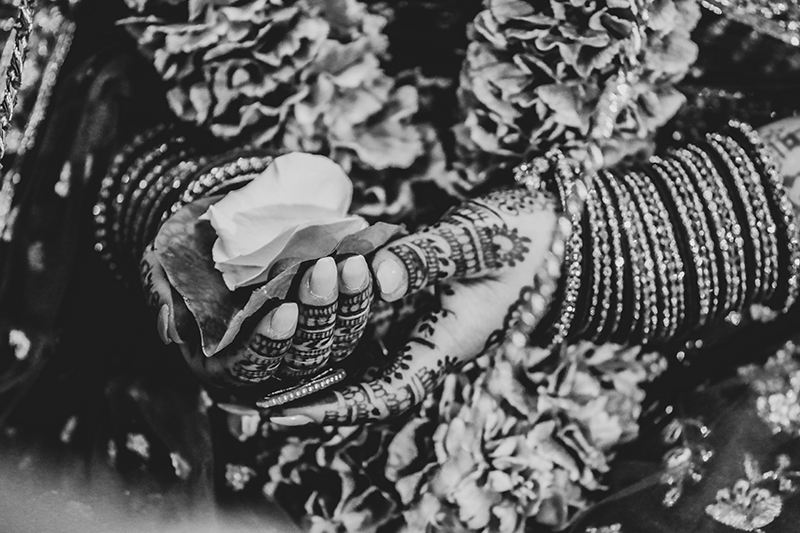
[(134, 204), (565, 175), (732, 230), (219, 174), (766, 225), (741, 195), (165, 192), (706, 217), (643, 266), (701, 244), (667, 254), (101, 209), (601, 272), (788, 235), (611, 316)]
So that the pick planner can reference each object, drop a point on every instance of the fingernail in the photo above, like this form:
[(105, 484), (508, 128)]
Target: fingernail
[(162, 324), (291, 421), (172, 330), (284, 320), (323, 278), (389, 277), (354, 273)]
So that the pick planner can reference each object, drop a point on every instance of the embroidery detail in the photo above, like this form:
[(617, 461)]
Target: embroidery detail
[(684, 464), (778, 386), (238, 476), (749, 505)]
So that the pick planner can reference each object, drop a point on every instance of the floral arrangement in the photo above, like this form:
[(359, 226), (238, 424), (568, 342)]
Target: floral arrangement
[(539, 74), (296, 75), (500, 445)]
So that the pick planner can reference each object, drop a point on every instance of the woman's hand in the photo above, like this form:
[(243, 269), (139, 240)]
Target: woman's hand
[(294, 340), (481, 257)]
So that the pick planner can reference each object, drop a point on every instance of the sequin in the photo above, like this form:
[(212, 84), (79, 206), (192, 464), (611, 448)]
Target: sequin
[(237, 476)]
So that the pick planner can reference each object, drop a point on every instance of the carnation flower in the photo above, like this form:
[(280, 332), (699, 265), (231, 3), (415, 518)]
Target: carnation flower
[(539, 74), (238, 69), (502, 455)]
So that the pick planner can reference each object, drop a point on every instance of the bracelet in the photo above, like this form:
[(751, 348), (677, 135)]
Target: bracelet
[(752, 279), (788, 234), (108, 188)]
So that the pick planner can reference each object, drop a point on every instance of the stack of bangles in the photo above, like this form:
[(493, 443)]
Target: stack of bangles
[(153, 177), (671, 246)]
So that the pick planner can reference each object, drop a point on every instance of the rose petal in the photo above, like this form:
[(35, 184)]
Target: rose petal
[(308, 241), (295, 179)]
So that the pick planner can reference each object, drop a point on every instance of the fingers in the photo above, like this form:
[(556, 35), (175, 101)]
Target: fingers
[(311, 347), (254, 361), (264, 351), (414, 373), (355, 298)]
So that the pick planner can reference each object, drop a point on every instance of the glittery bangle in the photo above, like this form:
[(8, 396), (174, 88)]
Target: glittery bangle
[(702, 249), (783, 213), (669, 262), (741, 196), (601, 271), (643, 266), (176, 151), (614, 299), (574, 261), (219, 174), (713, 258), (766, 225), (108, 190), (164, 194), (535, 304), (733, 237)]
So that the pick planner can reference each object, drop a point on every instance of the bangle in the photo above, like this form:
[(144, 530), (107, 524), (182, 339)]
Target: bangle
[(741, 197), (783, 214), (108, 190), (622, 263), (731, 230), (766, 225)]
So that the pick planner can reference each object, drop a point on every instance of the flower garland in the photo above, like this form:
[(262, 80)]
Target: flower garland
[(543, 74)]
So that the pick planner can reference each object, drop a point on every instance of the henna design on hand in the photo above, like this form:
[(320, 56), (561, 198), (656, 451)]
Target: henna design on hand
[(313, 340), (260, 359), (353, 316)]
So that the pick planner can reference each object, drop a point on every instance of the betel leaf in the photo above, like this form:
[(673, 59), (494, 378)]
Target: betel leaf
[(183, 246)]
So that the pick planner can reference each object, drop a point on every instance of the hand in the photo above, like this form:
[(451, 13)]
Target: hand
[(293, 340), (481, 257)]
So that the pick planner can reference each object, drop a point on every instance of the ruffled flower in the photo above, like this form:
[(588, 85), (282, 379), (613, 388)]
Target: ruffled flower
[(238, 69), (501, 456), (539, 74)]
